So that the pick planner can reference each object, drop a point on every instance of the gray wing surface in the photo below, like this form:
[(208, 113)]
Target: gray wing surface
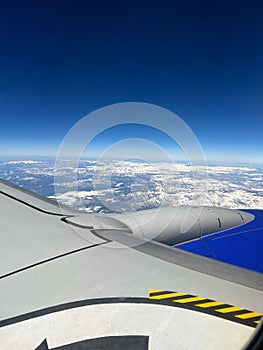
[(118, 284)]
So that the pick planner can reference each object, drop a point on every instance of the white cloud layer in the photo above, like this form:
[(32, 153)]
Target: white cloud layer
[(126, 185)]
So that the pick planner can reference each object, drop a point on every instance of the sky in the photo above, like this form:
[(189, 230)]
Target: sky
[(62, 59)]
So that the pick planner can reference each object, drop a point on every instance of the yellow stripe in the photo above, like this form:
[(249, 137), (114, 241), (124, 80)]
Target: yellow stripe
[(248, 315), (188, 300), (210, 304), (229, 309), (166, 296), (155, 291), (257, 321)]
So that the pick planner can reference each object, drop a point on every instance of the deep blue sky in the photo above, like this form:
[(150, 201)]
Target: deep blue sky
[(203, 60)]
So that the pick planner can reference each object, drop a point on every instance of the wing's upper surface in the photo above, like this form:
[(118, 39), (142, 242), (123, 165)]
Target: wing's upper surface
[(45, 263)]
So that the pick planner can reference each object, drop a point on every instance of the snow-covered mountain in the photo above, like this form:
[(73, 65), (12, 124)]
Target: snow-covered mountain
[(119, 186)]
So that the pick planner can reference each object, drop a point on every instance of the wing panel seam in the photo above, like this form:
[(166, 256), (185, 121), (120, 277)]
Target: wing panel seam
[(51, 259)]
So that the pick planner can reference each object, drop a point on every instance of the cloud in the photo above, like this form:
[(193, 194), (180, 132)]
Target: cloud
[(141, 185)]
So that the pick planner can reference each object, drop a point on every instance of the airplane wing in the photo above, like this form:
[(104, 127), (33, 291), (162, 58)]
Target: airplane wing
[(69, 286)]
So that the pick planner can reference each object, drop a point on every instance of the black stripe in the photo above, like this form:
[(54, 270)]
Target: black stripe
[(222, 306), (50, 259), (212, 311), (210, 301), (185, 296), (124, 300), (163, 292), (188, 296), (72, 305)]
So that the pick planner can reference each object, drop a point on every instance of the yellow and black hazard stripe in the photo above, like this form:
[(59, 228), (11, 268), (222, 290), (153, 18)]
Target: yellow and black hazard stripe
[(208, 306)]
